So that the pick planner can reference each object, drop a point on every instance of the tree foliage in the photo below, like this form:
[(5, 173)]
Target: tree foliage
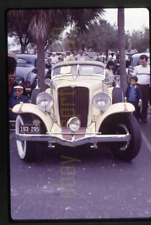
[(18, 27), (41, 23), (140, 40), (99, 37)]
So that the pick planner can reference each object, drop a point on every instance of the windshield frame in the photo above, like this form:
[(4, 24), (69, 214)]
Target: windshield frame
[(77, 73)]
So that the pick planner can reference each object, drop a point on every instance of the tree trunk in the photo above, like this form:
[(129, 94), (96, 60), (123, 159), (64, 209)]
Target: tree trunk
[(23, 48), (41, 63), (121, 41)]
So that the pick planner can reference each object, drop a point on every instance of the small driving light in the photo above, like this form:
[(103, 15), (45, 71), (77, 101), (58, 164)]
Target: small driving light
[(74, 124)]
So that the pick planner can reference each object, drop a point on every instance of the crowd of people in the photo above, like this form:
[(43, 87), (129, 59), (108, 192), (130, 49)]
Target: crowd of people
[(53, 58), (138, 89), (138, 92)]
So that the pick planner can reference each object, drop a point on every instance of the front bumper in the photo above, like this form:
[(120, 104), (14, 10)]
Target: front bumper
[(88, 139)]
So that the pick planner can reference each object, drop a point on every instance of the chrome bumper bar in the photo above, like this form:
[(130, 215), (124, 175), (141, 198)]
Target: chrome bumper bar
[(92, 139)]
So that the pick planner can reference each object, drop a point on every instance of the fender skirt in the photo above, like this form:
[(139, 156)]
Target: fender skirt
[(34, 109)]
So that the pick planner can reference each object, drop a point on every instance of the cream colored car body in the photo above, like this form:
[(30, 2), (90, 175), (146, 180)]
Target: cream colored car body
[(95, 83)]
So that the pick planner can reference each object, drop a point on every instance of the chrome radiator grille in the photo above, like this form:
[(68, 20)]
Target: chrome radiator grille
[(73, 102)]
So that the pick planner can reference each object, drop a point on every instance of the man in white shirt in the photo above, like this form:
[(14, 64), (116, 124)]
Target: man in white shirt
[(81, 56), (67, 57), (54, 59), (73, 56), (143, 74)]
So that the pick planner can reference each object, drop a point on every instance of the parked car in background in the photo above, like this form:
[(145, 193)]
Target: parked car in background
[(117, 64), (26, 70), (134, 61), (128, 57), (79, 108)]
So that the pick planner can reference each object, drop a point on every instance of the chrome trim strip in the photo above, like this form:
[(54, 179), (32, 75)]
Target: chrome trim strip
[(80, 133), (84, 140)]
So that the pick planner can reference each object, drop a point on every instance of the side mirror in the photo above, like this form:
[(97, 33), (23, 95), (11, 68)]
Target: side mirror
[(107, 80), (117, 80), (49, 82)]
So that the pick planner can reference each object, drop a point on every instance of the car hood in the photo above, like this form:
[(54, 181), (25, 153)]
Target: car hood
[(22, 72), (94, 83)]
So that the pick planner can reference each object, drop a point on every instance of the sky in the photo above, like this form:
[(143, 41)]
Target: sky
[(135, 18)]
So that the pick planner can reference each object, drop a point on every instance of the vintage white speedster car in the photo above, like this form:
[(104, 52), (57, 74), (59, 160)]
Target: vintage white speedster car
[(79, 107)]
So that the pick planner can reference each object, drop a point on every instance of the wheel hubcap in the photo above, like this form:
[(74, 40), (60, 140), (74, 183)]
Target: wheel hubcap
[(122, 129)]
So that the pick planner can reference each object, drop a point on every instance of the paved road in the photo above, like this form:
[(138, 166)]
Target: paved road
[(67, 184)]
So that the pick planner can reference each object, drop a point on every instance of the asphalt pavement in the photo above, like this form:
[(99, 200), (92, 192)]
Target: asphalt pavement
[(81, 184)]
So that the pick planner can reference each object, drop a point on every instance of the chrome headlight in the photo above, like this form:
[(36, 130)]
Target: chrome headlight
[(74, 124), (101, 101), (44, 101)]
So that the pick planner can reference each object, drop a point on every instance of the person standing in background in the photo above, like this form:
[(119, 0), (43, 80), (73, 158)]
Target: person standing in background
[(54, 59), (134, 96), (109, 70), (17, 98), (143, 74), (67, 56), (81, 56), (73, 56), (110, 58)]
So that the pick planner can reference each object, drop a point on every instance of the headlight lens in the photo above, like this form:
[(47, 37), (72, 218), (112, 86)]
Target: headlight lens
[(44, 101), (74, 124), (101, 101)]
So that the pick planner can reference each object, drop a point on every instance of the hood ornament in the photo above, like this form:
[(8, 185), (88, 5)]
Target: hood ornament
[(75, 74)]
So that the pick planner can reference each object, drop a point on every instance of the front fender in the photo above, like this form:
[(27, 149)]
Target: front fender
[(34, 109), (122, 107)]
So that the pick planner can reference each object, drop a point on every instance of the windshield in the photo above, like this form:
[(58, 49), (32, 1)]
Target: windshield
[(26, 62), (91, 69), (63, 70), (78, 70)]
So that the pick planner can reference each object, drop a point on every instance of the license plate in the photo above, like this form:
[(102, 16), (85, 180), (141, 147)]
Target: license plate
[(29, 129)]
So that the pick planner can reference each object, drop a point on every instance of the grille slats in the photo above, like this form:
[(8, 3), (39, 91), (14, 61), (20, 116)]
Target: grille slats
[(73, 102)]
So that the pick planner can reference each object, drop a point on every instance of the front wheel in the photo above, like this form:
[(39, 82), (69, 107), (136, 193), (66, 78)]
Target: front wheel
[(126, 124), (25, 148)]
